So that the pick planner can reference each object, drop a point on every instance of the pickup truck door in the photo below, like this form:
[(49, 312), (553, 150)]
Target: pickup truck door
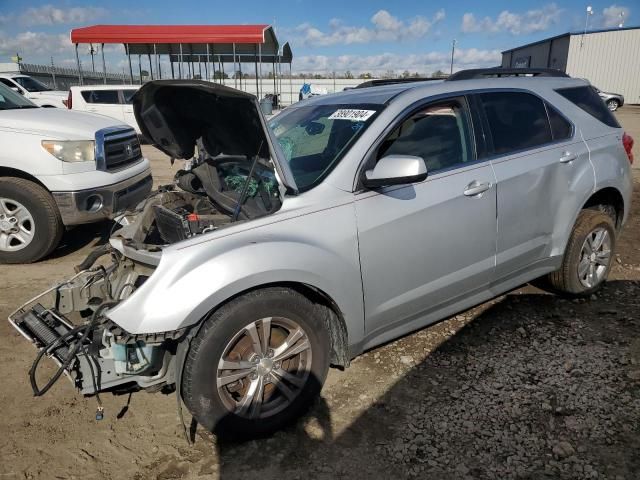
[(426, 246)]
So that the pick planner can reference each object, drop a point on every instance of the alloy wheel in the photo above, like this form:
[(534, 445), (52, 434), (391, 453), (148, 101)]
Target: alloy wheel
[(595, 258), (17, 227), (264, 368), (613, 105)]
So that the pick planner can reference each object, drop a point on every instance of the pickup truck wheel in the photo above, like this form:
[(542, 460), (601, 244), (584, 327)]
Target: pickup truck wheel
[(257, 363), (30, 224), (587, 259)]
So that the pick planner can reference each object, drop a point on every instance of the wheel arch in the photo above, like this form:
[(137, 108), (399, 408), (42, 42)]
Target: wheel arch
[(16, 173), (334, 318), (605, 199)]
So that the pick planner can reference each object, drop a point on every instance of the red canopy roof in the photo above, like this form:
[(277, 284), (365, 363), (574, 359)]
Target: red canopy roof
[(149, 34)]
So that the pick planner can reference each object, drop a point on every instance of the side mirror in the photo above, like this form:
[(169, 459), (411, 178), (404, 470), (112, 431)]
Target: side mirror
[(17, 90), (396, 170)]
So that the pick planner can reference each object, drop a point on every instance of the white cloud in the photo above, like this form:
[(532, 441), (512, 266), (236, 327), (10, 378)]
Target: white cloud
[(515, 23), (378, 64), (384, 27), (611, 16), (34, 43), (50, 15)]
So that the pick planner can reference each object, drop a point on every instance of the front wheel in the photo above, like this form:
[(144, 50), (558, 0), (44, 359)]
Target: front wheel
[(613, 105), (257, 363), (30, 224), (587, 259)]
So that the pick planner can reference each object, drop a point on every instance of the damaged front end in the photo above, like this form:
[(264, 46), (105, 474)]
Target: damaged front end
[(68, 324), (232, 174)]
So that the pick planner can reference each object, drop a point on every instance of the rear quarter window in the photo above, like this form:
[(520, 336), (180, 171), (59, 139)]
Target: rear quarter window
[(588, 100), (561, 129), (517, 121)]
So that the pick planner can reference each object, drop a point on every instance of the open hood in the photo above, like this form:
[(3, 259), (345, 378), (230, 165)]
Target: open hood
[(174, 114)]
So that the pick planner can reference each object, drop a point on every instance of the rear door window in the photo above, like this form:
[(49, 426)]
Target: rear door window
[(561, 129), (101, 96), (517, 121), (587, 99), (127, 95)]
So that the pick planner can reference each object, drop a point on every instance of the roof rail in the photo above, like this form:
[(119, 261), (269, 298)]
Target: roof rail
[(393, 81), (474, 73)]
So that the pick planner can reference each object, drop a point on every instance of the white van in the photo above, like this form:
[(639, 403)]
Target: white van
[(111, 100), (34, 90)]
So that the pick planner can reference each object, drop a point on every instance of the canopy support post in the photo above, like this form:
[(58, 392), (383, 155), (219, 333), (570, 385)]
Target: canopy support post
[(171, 61), (235, 68), (104, 65), (140, 67), (130, 67), (150, 64), (206, 65), (180, 63), (256, 65), (260, 66), (155, 54), (290, 86), (200, 66), (221, 69), (78, 63)]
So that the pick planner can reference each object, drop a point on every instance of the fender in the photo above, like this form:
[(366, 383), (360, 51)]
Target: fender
[(192, 281)]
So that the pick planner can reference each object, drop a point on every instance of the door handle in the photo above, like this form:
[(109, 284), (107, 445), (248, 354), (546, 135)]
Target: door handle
[(476, 188), (568, 157)]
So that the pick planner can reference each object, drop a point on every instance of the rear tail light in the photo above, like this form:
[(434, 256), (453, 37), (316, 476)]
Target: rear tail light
[(627, 143), (67, 102)]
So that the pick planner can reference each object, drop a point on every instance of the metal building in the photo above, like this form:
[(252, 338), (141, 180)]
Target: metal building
[(609, 59)]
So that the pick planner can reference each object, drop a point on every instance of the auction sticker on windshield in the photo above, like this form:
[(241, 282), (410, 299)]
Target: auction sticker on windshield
[(351, 114)]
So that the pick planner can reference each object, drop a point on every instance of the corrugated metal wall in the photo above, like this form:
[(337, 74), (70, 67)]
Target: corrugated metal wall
[(609, 60)]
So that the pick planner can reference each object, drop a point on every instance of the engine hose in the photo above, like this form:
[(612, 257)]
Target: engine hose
[(92, 257), (86, 329)]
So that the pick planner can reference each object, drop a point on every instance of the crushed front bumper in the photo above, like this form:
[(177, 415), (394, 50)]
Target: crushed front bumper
[(100, 362)]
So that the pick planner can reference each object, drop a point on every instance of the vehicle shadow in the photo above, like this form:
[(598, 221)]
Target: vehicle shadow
[(81, 236), (534, 386)]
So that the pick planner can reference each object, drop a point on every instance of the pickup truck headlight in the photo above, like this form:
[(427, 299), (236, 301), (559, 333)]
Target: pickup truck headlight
[(71, 150)]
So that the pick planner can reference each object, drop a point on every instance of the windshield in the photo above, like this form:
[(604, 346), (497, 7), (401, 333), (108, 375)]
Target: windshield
[(10, 100), (31, 84), (314, 138)]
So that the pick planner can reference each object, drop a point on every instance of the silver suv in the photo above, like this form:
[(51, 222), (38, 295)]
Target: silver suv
[(347, 221)]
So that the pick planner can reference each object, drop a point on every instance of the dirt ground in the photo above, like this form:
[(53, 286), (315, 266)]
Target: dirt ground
[(529, 385)]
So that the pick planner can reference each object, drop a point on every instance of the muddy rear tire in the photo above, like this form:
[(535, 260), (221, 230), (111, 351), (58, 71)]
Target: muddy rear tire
[(588, 256)]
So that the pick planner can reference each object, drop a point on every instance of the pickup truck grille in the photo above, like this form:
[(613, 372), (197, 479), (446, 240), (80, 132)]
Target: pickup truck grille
[(119, 148)]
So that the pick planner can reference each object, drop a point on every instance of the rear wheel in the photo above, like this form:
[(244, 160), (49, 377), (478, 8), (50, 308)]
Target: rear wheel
[(587, 259), (257, 363), (613, 104), (30, 224)]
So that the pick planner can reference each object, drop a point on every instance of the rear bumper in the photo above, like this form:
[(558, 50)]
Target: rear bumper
[(92, 205)]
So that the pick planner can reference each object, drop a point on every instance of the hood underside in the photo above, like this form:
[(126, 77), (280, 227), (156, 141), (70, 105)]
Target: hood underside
[(176, 114)]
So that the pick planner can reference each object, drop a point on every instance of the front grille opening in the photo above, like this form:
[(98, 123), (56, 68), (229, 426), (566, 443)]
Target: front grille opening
[(121, 150)]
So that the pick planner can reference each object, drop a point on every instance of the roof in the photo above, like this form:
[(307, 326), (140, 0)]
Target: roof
[(199, 34), (589, 32), (387, 93), (218, 40)]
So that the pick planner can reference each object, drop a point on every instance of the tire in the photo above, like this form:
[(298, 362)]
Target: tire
[(38, 234), (570, 278), (226, 334), (613, 104)]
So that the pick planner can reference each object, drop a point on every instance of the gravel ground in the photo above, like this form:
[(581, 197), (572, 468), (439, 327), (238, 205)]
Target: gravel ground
[(529, 385)]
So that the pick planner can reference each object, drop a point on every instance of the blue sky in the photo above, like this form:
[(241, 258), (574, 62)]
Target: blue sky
[(329, 35)]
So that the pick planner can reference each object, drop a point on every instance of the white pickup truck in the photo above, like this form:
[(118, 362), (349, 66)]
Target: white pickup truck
[(60, 168), (34, 90)]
